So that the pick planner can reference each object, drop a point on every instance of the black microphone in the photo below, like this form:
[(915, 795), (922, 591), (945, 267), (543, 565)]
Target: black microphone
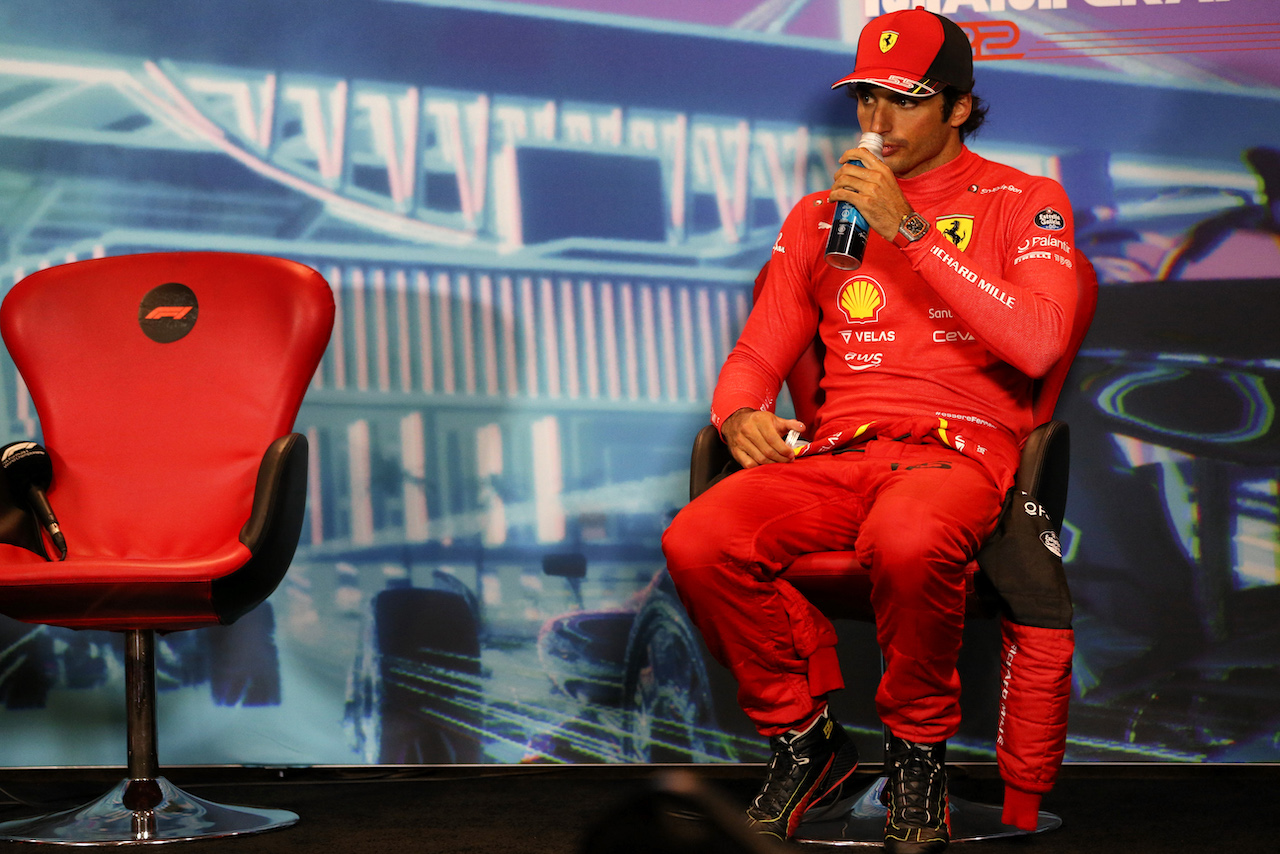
[(29, 469)]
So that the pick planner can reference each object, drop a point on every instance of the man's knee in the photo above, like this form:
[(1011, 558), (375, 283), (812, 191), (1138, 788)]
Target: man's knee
[(690, 542)]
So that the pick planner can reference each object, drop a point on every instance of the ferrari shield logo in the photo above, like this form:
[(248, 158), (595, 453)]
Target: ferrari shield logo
[(958, 229), (887, 40)]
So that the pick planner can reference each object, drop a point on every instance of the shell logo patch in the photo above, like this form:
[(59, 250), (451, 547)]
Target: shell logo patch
[(957, 229), (860, 299), (887, 40)]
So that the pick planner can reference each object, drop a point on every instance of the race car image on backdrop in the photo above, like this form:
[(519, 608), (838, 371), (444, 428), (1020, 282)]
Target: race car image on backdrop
[(540, 264)]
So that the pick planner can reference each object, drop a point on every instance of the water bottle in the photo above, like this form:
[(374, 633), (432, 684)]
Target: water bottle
[(849, 229)]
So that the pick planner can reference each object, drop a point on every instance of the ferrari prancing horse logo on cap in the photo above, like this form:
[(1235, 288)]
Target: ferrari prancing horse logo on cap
[(887, 40)]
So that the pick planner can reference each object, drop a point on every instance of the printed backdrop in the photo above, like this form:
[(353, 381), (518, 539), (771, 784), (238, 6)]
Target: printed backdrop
[(541, 220)]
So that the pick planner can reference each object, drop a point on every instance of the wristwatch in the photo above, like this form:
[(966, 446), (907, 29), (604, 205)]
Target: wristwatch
[(912, 228)]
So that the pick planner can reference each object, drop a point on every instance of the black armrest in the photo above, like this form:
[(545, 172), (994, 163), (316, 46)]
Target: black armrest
[(280, 488), (271, 534), (709, 461), (1045, 467), (1021, 561), (18, 525)]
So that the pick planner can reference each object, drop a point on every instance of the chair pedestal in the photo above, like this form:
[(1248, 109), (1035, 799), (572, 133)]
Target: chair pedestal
[(178, 816), (144, 807), (860, 818)]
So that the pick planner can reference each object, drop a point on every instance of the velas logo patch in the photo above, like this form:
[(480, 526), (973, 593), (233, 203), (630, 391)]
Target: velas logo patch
[(168, 312)]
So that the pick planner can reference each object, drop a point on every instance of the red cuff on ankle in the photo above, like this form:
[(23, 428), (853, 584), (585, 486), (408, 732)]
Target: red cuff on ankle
[(824, 672), (1021, 809)]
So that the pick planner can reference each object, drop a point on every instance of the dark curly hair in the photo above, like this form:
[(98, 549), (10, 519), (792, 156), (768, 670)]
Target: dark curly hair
[(977, 113)]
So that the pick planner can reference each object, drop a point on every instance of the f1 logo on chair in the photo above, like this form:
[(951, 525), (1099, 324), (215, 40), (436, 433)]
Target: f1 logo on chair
[(168, 312)]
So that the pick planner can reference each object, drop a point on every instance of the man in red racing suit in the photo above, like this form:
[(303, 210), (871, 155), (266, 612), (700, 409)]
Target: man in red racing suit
[(965, 295)]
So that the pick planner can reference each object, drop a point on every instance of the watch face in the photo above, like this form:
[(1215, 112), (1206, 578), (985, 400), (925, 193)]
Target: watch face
[(914, 227)]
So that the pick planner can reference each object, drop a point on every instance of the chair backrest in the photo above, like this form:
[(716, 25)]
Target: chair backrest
[(804, 380), (160, 380)]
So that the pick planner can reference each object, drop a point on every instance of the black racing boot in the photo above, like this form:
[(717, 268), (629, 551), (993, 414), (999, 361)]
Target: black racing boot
[(806, 767), (916, 795)]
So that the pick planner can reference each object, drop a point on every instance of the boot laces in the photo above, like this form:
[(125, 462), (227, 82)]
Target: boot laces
[(918, 784), (785, 769)]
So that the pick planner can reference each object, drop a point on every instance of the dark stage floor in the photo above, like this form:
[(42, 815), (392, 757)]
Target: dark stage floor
[(549, 810)]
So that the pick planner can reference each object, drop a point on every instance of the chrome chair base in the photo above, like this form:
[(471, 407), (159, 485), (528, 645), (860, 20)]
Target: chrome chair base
[(859, 820), (141, 812)]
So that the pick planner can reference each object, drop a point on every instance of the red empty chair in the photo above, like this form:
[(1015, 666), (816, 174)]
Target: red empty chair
[(166, 386)]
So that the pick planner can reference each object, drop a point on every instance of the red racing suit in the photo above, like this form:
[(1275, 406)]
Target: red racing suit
[(930, 356)]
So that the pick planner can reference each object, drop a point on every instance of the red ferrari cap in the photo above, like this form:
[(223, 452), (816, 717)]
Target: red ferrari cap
[(915, 52)]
